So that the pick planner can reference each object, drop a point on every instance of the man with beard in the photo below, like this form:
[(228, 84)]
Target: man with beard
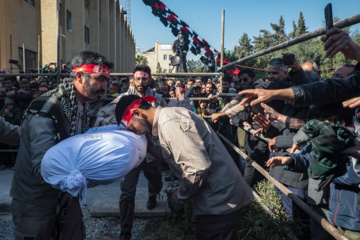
[(208, 176), (51, 118), (151, 166)]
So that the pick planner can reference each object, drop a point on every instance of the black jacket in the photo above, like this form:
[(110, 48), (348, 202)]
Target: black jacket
[(328, 91), (175, 46)]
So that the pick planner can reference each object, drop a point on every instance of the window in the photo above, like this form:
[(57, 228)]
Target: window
[(165, 70), (31, 2), (62, 14), (68, 20), (170, 70), (165, 57), (30, 58), (87, 36), (170, 56)]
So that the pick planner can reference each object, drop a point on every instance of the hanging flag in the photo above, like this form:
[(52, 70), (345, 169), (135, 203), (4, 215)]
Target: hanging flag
[(197, 44)]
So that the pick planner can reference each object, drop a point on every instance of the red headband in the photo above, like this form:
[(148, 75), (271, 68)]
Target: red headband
[(141, 74), (134, 105), (180, 89), (91, 68)]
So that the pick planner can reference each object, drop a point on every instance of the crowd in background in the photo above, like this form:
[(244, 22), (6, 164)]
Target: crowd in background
[(289, 127)]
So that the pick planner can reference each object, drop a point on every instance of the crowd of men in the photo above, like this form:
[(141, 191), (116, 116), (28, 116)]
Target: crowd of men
[(311, 122)]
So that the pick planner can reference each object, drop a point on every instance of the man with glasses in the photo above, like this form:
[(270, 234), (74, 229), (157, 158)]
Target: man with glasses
[(151, 166)]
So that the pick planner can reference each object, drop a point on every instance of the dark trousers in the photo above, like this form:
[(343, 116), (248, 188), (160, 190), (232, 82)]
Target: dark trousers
[(251, 175), (152, 172), (183, 64), (217, 227), (32, 221)]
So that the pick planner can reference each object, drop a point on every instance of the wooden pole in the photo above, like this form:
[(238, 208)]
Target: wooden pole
[(320, 220), (341, 24)]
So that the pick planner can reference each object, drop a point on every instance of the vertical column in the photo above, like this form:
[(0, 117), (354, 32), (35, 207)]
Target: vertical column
[(94, 25), (112, 31), (122, 51), (78, 23), (49, 25), (104, 28), (127, 46), (118, 38)]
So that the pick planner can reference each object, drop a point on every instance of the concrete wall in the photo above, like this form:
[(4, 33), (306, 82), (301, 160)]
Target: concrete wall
[(157, 56), (109, 33), (19, 24)]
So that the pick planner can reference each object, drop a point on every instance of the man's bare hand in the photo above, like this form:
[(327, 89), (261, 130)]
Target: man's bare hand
[(336, 40), (215, 117), (279, 161), (260, 130), (263, 85), (262, 121), (296, 147), (296, 67), (352, 103), (262, 95), (272, 145), (251, 95), (273, 114)]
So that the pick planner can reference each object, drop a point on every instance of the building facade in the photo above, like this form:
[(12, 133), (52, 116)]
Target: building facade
[(94, 25), (159, 55)]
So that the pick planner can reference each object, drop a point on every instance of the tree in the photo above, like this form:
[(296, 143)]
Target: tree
[(245, 47), (293, 33), (141, 59), (197, 66), (279, 35), (301, 28), (158, 68)]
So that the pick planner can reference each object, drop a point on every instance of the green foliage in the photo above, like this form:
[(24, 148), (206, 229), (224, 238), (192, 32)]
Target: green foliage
[(141, 59), (256, 224), (197, 66), (245, 47)]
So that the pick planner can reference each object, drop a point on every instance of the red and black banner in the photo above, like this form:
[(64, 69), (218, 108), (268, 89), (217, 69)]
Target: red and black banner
[(197, 45)]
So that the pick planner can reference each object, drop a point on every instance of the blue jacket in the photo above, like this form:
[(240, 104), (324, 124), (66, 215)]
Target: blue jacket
[(344, 201)]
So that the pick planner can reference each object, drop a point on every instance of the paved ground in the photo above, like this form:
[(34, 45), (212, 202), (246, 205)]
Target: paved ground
[(100, 201)]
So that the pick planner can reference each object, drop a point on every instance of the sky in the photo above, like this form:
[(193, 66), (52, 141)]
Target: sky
[(250, 16)]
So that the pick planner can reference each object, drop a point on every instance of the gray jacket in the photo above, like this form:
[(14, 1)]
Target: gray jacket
[(38, 134), (9, 134), (208, 176), (184, 102)]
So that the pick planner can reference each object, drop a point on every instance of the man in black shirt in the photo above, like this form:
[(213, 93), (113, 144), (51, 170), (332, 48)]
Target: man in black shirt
[(180, 48)]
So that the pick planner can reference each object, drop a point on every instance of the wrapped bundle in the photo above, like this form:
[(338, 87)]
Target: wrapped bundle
[(100, 156)]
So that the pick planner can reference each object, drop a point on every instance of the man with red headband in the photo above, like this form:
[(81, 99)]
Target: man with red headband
[(208, 176), (181, 99), (51, 118), (151, 166)]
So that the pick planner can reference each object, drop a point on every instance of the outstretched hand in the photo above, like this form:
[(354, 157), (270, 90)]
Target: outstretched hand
[(251, 95), (279, 161), (262, 121), (273, 114), (336, 40)]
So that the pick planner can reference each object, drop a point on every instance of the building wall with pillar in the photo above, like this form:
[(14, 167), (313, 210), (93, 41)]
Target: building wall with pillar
[(19, 24), (160, 55), (93, 25)]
